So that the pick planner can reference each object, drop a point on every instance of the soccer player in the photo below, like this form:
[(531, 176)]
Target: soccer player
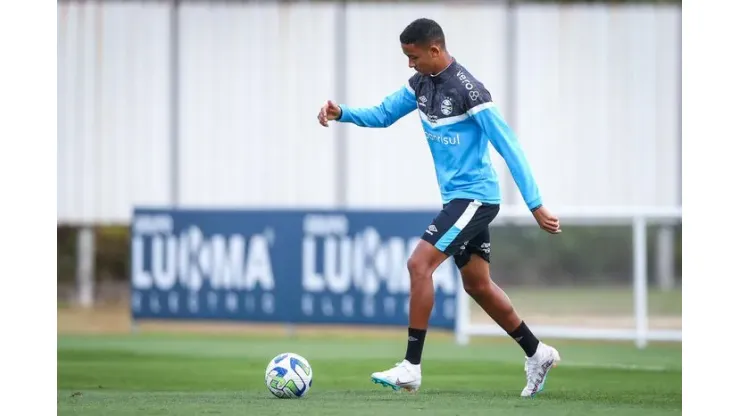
[(458, 119)]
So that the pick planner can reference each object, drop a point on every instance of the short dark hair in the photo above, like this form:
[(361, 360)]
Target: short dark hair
[(423, 32)]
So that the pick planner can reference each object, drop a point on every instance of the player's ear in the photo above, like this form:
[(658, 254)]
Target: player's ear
[(434, 51)]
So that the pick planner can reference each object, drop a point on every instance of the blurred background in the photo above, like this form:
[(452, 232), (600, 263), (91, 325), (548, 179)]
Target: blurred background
[(204, 114)]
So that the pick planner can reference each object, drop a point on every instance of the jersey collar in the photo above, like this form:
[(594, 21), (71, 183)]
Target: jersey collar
[(444, 74)]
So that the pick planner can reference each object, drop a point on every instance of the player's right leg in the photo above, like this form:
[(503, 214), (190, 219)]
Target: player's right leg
[(407, 374), (453, 226)]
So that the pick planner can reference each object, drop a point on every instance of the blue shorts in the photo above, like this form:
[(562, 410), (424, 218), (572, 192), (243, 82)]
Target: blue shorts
[(461, 229)]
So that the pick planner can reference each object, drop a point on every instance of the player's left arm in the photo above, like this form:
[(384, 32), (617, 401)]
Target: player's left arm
[(505, 142)]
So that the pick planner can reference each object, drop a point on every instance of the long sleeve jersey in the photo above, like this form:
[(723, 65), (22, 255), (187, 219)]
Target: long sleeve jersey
[(459, 119)]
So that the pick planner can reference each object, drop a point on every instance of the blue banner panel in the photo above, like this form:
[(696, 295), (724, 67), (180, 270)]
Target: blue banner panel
[(281, 266)]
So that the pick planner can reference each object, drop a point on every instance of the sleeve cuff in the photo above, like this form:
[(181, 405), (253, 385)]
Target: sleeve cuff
[(533, 205)]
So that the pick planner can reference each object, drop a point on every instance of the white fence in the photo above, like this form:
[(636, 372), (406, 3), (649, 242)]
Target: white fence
[(641, 333)]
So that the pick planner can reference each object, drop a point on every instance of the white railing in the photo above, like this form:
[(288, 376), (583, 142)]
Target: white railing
[(639, 218)]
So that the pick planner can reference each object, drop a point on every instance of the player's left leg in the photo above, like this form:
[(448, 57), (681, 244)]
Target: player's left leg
[(473, 262)]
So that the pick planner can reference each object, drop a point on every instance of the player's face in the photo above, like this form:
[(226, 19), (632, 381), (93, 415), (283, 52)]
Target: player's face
[(423, 59)]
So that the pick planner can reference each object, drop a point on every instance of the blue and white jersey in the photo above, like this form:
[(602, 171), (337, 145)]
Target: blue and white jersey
[(459, 120)]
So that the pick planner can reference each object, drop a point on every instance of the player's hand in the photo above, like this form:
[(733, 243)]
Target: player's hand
[(329, 111), (547, 221)]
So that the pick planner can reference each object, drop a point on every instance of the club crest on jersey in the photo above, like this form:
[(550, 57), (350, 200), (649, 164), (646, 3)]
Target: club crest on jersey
[(446, 106)]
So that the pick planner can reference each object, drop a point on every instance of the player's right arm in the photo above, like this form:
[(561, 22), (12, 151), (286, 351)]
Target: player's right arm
[(392, 108)]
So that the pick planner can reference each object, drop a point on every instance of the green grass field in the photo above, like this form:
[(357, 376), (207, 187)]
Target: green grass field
[(150, 374), (608, 300)]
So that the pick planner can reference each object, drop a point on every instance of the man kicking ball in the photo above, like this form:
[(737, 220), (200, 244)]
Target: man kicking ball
[(459, 120)]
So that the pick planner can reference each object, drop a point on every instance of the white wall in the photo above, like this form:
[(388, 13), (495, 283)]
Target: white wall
[(248, 122), (113, 112), (596, 104)]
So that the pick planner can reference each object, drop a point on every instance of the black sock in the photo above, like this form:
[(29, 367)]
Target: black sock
[(525, 338), (415, 345)]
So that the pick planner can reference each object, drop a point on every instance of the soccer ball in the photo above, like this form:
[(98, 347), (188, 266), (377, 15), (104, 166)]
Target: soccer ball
[(288, 376)]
